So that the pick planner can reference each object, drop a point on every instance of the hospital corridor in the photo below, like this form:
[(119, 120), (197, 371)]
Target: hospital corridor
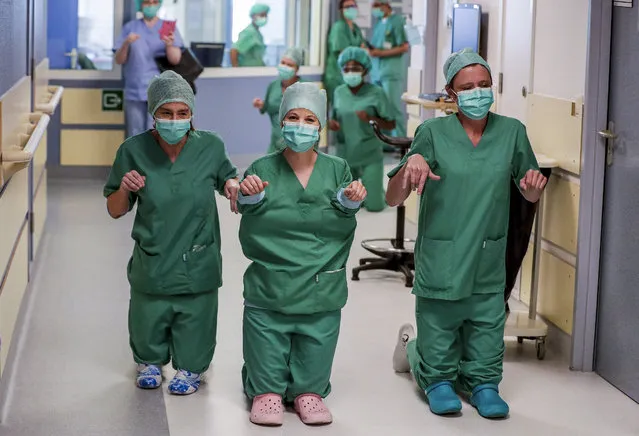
[(314, 217)]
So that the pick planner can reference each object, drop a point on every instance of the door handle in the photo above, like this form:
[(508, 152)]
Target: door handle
[(74, 58), (609, 135)]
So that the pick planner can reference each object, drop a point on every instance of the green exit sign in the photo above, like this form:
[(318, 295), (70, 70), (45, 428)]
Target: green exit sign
[(112, 100)]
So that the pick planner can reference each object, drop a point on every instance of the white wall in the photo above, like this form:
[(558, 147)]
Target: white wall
[(444, 38), (561, 34)]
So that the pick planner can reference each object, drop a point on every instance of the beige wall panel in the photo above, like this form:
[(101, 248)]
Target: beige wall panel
[(41, 82), (15, 106), (12, 293), (89, 147), (555, 126), (556, 289), (84, 106), (414, 87), (40, 160), (412, 208), (39, 212), (413, 124), (14, 205), (561, 213)]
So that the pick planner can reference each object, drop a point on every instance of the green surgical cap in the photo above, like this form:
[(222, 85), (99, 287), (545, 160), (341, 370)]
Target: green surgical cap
[(138, 4), (386, 2), (295, 54), (356, 54), (304, 96), (460, 60), (169, 87), (260, 8)]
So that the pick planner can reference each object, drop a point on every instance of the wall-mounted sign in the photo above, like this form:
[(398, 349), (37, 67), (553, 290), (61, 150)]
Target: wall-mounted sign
[(112, 100), (623, 3)]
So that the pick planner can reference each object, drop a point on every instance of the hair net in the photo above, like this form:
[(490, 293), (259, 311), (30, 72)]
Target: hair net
[(460, 60), (138, 4), (356, 54), (295, 54), (259, 8), (304, 96), (169, 87)]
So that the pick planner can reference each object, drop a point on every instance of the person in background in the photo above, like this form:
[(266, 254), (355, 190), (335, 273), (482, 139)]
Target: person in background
[(249, 49), (343, 33), (172, 173), (288, 69), (356, 104), (388, 48), (464, 165), (298, 211), (136, 48)]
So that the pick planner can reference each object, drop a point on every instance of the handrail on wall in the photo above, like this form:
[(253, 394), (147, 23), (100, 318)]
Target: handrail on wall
[(55, 95), (29, 142)]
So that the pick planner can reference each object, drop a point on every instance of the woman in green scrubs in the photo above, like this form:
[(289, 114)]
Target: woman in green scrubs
[(344, 33), (389, 46), (356, 104), (462, 165), (292, 60), (172, 172), (249, 49), (298, 222)]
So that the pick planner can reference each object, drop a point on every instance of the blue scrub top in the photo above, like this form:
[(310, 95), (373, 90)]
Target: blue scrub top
[(140, 67)]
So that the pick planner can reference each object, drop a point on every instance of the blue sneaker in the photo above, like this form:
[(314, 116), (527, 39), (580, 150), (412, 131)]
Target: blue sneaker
[(149, 376), (485, 398), (442, 399), (184, 383)]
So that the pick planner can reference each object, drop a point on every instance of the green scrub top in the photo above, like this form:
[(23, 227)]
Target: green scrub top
[(272, 103), (356, 140), (298, 240), (340, 37), (463, 218), (251, 47), (176, 229), (389, 33)]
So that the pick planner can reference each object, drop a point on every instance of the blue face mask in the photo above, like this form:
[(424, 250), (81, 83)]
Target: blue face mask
[(261, 21), (172, 131), (285, 72), (150, 11), (378, 13), (475, 103), (352, 79), (300, 137), (350, 13)]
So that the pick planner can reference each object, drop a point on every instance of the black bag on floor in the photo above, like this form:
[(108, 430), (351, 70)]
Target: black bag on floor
[(189, 67)]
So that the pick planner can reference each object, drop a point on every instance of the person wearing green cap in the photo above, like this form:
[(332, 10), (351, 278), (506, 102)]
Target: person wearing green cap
[(136, 48), (356, 104), (172, 173), (344, 33), (298, 222), (249, 49), (288, 69), (388, 48), (463, 166)]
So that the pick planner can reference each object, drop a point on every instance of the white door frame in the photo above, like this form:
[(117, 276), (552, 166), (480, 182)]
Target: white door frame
[(429, 68), (593, 167)]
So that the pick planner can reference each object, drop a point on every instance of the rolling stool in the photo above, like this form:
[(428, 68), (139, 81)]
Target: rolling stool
[(393, 254)]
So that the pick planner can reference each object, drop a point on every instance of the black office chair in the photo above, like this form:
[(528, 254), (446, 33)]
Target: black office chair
[(395, 254)]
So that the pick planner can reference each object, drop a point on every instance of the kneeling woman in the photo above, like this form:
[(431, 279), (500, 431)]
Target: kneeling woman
[(298, 222), (469, 160), (172, 173)]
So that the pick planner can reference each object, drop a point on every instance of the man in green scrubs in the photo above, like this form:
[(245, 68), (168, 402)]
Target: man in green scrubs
[(356, 104), (344, 33), (297, 229), (292, 60), (249, 49), (463, 166), (171, 173), (389, 45)]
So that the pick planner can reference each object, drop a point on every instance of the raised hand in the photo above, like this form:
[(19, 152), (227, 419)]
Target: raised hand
[(334, 125), (355, 191), (231, 191), (258, 103), (132, 182), (532, 185), (252, 185), (416, 173)]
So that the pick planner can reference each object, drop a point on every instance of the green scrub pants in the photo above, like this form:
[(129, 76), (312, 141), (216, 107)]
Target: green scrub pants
[(372, 177), (459, 341), (177, 328), (394, 89), (288, 355)]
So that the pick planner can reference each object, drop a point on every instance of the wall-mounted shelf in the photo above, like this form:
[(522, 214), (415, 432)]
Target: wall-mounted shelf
[(52, 100)]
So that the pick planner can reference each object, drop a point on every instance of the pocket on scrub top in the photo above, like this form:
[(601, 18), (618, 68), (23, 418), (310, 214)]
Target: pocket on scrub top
[(331, 290), (203, 265), (491, 271), (434, 264)]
